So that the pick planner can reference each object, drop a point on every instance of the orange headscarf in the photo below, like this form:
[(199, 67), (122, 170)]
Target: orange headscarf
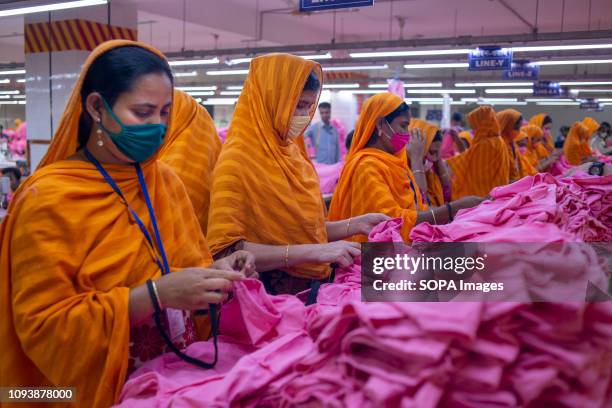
[(591, 124), (435, 193), (507, 121), (69, 254), (529, 159), (576, 146), (538, 120), (373, 180), (191, 149), (265, 189), (486, 164), (467, 136)]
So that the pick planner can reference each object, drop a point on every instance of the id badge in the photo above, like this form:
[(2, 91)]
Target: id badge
[(176, 323)]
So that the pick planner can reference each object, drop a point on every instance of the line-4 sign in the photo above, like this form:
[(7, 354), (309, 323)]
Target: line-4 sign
[(521, 70), (318, 5), (490, 58), (546, 88)]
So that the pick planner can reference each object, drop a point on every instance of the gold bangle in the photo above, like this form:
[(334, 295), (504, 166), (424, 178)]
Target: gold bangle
[(156, 294), (418, 171), (348, 225), (287, 257), (434, 216)]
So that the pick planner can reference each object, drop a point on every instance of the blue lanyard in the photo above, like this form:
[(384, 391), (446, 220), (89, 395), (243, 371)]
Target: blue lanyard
[(164, 267)]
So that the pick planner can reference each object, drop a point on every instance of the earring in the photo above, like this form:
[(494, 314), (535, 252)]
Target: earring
[(99, 135)]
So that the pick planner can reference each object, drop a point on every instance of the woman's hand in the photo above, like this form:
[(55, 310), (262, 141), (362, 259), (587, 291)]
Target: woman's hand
[(195, 288), (466, 202), (342, 253), (416, 146), (363, 224), (239, 261)]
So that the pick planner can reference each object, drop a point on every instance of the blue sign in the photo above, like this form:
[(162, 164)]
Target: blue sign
[(434, 114), (318, 5), (522, 70), (591, 104), (490, 58), (546, 88)]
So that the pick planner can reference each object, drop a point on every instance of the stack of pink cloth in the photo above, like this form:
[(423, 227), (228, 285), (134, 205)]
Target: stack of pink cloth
[(329, 174), (341, 352), (538, 208)]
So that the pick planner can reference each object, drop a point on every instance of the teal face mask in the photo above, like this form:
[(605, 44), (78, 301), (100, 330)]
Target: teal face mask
[(138, 142)]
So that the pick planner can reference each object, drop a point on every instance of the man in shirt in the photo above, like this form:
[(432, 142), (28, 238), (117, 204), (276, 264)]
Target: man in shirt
[(324, 137), (601, 139)]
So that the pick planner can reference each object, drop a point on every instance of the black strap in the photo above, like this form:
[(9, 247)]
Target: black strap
[(450, 212), (315, 285)]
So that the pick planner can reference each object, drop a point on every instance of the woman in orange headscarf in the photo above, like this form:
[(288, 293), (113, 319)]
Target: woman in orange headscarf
[(530, 138), (437, 176), (79, 279), (576, 147), (544, 122), (510, 123), (266, 195), (191, 150), (486, 164), (376, 176)]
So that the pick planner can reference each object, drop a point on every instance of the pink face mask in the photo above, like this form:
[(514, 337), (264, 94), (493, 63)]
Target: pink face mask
[(398, 140), (523, 149)]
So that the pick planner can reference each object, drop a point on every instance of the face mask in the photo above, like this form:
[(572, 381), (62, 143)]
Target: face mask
[(137, 142), (398, 140), (523, 149), (428, 165), (298, 125)]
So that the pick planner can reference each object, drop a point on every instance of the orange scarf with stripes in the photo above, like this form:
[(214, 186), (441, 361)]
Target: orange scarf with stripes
[(576, 146), (538, 120)]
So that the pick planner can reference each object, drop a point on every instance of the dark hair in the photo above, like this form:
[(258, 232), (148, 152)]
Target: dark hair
[(457, 117), (325, 105), (312, 82), (564, 128), (16, 172), (389, 118), (605, 124), (437, 137), (114, 73), (349, 139), (547, 120)]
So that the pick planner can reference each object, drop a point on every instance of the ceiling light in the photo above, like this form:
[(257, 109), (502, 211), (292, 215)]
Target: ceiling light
[(591, 90), (548, 100), (12, 102), (573, 62), (234, 88), (441, 91), (515, 103), (340, 86), (438, 65), (556, 103), (21, 81), (370, 92), (229, 72), (230, 93), (586, 83), (197, 88), (415, 53), (185, 74), (15, 96), (238, 61), (183, 63), (51, 7), (9, 92), (356, 68), (498, 100), (510, 91), (561, 47), (201, 93), (424, 100), (5, 81), (410, 85), (483, 84), (220, 101), (316, 56), (13, 72)]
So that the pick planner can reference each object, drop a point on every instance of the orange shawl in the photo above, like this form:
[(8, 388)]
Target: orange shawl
[(576, 146), (467, 136), (435, 193), (538, 120), (486, 164), (70, 253), (265, 189), (191, 149), (373, 180), (507, 120), (530, 132)]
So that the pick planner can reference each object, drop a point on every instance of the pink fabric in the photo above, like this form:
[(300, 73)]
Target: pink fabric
[(342, 352), (337, 123), (328, 175), (222, 132), (18, 142)]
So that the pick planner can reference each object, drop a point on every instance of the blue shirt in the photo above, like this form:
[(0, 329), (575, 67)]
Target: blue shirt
[(324, 138)]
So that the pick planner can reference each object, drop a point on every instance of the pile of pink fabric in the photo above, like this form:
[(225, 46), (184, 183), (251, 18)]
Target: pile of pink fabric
[(538, 208), (222, 132), (329, 174), (341, 352)]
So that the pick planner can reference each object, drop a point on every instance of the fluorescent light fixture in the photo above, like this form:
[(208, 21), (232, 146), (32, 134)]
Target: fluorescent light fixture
[(604, 99), (548, 100), (5, 81), (186, 74), (198, 100), (14, 96), (234, 88), (555, 103), (7, 96), (469, 99), (238, 61), (229, 72), (230, 93), (366, 92), (356, 68), (21, 81), (201, 93), (425, 100), (510, 91), (586, 83), (9, 92), (316, 56), (415, 53), (498, 100), (483, 84), (438, 65), (220, 101), (561, 47), (516, 103), (410, 85), (591, 90), (185, 63), (51, 7), (13, 72), (341, 86), (457, 103), (12, 102), (197, 88), (441, 91), (573, 62)]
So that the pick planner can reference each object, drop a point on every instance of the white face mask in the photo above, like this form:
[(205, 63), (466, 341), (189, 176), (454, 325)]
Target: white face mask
[(297, 126)]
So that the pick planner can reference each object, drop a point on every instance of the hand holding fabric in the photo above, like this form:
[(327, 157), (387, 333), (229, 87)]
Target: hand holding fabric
[(365, 223), (239, 261), (416, 145)]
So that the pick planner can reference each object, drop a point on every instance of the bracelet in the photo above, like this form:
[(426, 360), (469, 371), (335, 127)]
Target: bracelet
[(287, 257), (418, 171), (154, 296), (434, 216), (348, 225), (450, 212)]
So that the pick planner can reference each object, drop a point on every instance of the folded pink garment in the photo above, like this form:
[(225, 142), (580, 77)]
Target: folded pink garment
[(328, 175)]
